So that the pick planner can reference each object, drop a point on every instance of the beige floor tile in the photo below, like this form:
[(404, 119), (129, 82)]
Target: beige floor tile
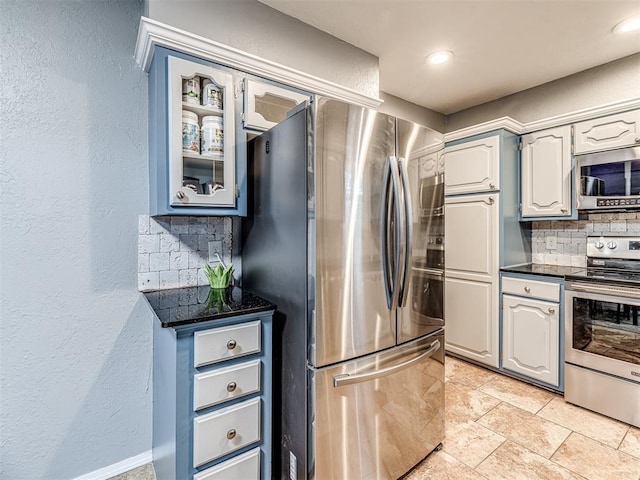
[(465, 373), (514, 462), (595, 426), (144, 472), (517, 393), (631, 442), (470, 443), (466, 403), (526, 429), (596, 461), (443, 466)]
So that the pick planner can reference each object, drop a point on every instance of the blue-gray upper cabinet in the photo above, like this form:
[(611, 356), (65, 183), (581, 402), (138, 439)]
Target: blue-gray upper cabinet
[(194, 164), (546, 175)]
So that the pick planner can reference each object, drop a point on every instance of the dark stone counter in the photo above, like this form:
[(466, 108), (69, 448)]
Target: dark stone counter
[(546, 270), (184, 306)]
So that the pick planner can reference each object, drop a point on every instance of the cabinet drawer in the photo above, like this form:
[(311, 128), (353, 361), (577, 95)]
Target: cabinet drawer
[(531, 288), (220, 344), (224, 384), (245, 466), (225, 430)]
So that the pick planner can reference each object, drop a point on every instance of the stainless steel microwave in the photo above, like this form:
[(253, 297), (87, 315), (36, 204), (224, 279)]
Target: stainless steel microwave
[(432, 196), (608, 180)]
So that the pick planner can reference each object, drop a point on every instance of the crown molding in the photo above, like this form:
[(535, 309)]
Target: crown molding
[(514, 126), (152, 33)]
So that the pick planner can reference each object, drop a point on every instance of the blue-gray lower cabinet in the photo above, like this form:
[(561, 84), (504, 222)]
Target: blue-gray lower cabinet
[(532, 328), (212, 399)]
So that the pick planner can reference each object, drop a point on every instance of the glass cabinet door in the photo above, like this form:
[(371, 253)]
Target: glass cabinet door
[(201, 135), (267, 105)]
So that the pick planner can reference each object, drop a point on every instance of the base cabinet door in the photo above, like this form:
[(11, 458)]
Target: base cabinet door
[(530, 343), (472, 319)]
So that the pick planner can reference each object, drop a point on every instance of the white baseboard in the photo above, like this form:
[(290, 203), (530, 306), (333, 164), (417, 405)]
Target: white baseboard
[(118, 468)]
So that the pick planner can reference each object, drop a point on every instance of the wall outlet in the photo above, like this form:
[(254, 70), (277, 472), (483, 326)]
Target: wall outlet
[(551, 242), (215, 247)]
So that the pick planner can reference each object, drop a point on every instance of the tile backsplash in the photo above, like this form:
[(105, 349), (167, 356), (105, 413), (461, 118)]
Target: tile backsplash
[(172, 251), (565, 242)]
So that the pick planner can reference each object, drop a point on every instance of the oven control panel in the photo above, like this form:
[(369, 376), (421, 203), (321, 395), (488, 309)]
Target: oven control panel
[(613, 247)]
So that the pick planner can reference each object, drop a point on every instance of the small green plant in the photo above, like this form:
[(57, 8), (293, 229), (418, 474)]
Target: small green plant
[(219, 276)]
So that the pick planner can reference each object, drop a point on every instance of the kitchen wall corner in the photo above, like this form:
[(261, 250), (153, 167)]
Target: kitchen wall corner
[(565, 242), (172, 250)]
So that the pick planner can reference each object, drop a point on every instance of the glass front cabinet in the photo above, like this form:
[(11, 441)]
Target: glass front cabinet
[(201, 116)]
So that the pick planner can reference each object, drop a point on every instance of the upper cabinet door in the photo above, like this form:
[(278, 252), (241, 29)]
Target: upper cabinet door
[(546, 173), (472, 166), (202, 169), (267, 105), (607, 133)]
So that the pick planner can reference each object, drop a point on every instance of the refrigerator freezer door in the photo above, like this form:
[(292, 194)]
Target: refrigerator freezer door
[(421, 301), (378, 416), (352, 147)]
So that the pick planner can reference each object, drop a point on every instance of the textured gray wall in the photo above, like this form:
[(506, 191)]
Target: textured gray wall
[(75, 335), (258, 29), (398, 107), (608, 83)]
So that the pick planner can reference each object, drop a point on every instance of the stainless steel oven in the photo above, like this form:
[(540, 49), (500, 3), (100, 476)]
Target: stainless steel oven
[(609, 180), (602, 335), (427, 295)]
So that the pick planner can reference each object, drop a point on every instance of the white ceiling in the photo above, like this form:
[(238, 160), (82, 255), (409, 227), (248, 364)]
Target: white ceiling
[(500, 46)]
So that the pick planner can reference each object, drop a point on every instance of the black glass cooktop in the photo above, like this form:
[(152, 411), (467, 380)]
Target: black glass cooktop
[(608, 275)]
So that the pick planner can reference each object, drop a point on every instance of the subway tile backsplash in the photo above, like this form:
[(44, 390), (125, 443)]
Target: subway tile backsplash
[(172, 251), (564, 242)]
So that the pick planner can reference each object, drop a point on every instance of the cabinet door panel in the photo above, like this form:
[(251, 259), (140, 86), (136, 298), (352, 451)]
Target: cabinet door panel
[(614, 131), (471, 236), (472, 319), (531, 338), (546, 173), (266, 105), (472, 166), (195, 178)]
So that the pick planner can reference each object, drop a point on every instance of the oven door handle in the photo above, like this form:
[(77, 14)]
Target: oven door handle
[(608, 290)]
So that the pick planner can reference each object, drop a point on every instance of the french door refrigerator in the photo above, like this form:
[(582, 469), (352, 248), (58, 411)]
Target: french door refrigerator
[(331, 236)]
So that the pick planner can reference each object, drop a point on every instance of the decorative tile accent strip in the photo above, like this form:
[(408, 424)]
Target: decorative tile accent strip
[(172, 251), (565, 242)]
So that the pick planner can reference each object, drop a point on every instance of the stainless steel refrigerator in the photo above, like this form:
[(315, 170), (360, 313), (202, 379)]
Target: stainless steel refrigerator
[(340, 235)]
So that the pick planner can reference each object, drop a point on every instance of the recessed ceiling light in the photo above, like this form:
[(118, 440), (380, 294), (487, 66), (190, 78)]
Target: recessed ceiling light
[(439, 57), (628, 25)]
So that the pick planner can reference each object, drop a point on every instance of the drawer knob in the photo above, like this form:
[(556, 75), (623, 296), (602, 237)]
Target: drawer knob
[(231, 434), (231, 344), (527, 289), (552, 310), (231, 387)]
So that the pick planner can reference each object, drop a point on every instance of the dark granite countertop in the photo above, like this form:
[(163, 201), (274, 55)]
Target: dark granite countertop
[(546, 270), (184, 306)]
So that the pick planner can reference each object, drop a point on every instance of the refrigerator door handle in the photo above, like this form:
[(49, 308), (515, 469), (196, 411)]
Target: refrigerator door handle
[(389, 204), (407, 221), (348, 379)]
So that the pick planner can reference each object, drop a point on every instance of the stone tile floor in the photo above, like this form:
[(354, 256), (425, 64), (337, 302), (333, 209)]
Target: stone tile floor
[(499, 428)]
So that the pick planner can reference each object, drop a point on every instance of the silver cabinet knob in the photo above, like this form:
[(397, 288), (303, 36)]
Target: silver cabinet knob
[(552, 310), (231, 344), (612, 245), (231, 434), (492, 186), (527, 289), (599, 245), (180, 195), (231, 387)]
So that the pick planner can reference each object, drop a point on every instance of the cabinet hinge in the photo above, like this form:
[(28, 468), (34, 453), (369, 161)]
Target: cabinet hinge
[(572, 129), (237, 191), (520, 145), (242, 116), (520, 207)]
